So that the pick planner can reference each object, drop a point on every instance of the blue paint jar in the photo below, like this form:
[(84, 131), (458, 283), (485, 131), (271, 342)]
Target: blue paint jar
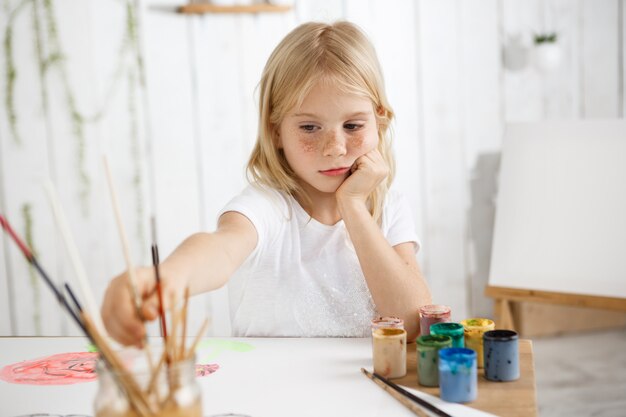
[(501, 352), (455, 330), (458, 378)]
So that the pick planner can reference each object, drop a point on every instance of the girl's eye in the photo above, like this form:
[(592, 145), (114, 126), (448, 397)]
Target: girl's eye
[(308, 128), (352, 126)]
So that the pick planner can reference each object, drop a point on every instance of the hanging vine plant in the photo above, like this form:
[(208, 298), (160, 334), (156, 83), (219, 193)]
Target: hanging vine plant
[(135, 152), (11, 72), (50, 56), (136, 81)]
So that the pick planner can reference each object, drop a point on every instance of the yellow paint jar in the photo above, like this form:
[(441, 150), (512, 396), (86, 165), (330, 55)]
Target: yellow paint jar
[(474, 329), (389, 352)]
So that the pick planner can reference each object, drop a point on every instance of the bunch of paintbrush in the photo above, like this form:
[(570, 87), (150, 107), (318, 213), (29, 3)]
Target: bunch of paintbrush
[(144, 401)]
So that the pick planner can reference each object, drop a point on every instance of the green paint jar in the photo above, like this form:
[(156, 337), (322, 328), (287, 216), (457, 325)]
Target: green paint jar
[(427, 358), (454, 330)]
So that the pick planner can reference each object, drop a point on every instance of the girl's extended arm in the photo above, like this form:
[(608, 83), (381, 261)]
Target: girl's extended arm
[(202, 262), (392, 273)]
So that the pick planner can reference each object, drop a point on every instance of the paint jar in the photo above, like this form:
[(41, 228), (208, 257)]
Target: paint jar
[(458, 376), (387, 322), (474, 330), (431, 314), (428, 357), (170, 392), (501, 355), (389, 352), (455, 330)]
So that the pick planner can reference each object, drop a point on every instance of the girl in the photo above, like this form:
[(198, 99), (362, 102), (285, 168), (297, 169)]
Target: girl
[(316, 245)]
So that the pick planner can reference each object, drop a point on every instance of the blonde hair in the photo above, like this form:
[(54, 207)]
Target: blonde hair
[(312, 52)]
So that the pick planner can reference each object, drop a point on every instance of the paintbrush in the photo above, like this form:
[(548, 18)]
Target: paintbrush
[(404, 396), (129, 263), (72, 251), (155, 263), (30, 257), (124, 241), (185, 306)]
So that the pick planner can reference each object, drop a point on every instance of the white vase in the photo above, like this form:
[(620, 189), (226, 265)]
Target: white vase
[(547, 56)]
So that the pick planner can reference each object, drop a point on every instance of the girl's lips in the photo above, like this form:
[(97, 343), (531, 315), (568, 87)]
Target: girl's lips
[(335, 172)]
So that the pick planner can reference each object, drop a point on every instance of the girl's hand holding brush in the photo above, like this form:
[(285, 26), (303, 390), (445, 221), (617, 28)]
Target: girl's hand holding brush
[(118, 309)]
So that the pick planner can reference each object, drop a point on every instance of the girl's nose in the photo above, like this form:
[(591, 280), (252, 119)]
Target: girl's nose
[(334, 144)]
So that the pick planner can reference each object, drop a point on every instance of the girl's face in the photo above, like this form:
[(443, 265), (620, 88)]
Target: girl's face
[(324, 136)]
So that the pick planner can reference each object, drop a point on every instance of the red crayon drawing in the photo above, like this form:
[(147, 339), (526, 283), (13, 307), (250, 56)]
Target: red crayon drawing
[(59, 369), (206, 370), (67, 368)]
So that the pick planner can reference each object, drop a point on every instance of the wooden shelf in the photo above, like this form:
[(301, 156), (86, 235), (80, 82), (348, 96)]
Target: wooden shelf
[(201, 8)]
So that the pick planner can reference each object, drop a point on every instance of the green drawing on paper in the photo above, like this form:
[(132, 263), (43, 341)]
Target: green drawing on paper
[(216, 347)]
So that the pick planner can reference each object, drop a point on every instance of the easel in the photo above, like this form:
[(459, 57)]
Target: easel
[(503, 297)]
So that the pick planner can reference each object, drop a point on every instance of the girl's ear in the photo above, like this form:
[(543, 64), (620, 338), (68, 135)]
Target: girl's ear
[(278, 142), (382, 117), (277, 139)]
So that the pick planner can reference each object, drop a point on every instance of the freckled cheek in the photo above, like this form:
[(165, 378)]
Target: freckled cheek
[(308, 145), (362, 143), (357, 141)]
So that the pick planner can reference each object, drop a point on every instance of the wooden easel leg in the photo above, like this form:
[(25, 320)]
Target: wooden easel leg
[(503, 315)]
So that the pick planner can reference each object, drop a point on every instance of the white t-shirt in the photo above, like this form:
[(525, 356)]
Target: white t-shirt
[(303, 279)]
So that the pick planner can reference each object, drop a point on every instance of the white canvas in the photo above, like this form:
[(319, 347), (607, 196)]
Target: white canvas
[(561, 208)]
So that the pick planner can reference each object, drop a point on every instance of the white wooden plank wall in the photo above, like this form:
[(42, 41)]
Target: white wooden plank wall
[(442, 111), (600, 49), (178, 144), (482, 127), (7, 323)]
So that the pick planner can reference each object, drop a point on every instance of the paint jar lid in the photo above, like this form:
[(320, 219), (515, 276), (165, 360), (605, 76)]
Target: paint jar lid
[(388, 332), (457, 355), (387, 321), (500, 335), (435, 310), (478, 323), (447, 328), (435, 341)]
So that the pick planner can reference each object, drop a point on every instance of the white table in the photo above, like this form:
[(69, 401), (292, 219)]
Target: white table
[(278, 377)]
